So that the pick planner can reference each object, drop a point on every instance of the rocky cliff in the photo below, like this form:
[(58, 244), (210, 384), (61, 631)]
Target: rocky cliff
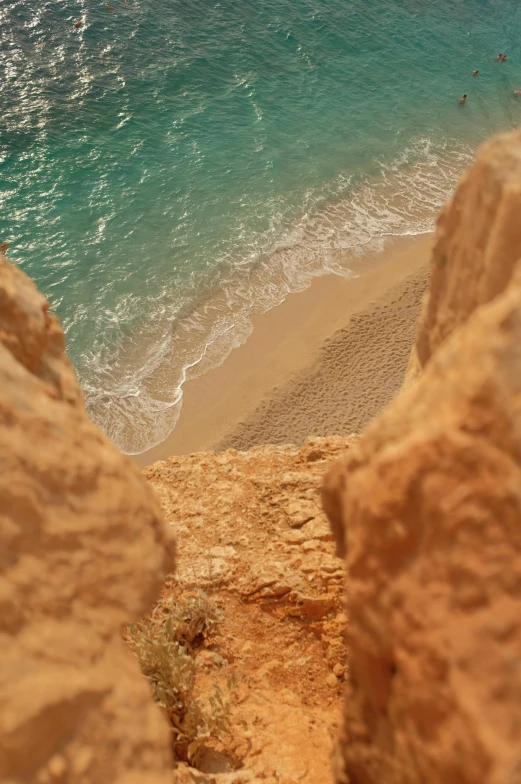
[(427, 509), (478, 242), (83, 550), (425, 506)]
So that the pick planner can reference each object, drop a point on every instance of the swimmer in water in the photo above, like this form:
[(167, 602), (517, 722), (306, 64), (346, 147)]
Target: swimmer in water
[(463, 99), (475, 73), (517, 92), (504, 58)]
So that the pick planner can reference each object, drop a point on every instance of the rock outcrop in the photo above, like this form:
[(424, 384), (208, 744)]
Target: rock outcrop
[(251, 533), (83, 550), (478, 242), (427, 509)]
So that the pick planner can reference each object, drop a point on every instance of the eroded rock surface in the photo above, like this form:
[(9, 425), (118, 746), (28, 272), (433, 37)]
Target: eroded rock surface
[(427, 508), (250, 531), (478, 242), (83, 550)]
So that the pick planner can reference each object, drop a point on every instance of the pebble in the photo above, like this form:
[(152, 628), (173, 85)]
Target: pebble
[(338, 670), (331, 679)]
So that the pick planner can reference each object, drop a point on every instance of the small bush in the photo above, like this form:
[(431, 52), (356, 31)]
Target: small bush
[(163, 645), (195, 615)]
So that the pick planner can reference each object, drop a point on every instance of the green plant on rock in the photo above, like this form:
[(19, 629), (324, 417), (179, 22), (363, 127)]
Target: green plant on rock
[(163, 644)]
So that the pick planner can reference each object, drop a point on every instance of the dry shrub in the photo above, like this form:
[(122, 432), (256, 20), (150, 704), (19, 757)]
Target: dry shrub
[(164, 645)]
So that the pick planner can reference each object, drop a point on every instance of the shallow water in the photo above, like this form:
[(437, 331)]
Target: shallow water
[(171, 166)]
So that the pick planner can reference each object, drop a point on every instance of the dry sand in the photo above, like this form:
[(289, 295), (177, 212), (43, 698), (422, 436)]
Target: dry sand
[(323, 363)]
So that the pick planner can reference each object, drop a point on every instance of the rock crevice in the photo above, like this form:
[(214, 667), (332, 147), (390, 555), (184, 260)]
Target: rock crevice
[(425, 506), (83, 550)]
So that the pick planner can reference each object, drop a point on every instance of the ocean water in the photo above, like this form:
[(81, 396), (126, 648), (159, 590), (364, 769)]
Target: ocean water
[(170, 167)]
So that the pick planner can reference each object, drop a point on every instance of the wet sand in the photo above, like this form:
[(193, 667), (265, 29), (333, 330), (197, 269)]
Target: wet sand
[(324, 362)]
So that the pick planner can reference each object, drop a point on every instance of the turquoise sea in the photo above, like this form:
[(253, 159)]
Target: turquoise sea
[(169, 167)]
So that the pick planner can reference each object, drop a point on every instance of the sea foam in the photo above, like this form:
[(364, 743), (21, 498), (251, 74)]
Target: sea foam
[(138, 400), (169, 170)]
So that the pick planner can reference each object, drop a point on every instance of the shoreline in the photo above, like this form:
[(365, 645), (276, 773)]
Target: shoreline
[(221, 408), (137, 398)]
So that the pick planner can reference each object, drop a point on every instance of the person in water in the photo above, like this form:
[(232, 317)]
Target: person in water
[(475, 73), (463, 99), (504, 58), (517, 92)]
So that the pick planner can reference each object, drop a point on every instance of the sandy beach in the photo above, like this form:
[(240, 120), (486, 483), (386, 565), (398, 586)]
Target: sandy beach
[(323, 362)]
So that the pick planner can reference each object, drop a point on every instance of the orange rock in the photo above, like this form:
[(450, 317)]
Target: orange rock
[(427, 507), (317, 608), (478, 242), (83, 550)]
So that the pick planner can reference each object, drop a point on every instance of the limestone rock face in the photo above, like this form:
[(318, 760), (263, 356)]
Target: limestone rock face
[(427, 507), (478, 241), (83, 550)]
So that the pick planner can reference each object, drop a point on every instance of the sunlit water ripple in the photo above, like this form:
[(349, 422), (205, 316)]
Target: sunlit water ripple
[(169, 167)]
